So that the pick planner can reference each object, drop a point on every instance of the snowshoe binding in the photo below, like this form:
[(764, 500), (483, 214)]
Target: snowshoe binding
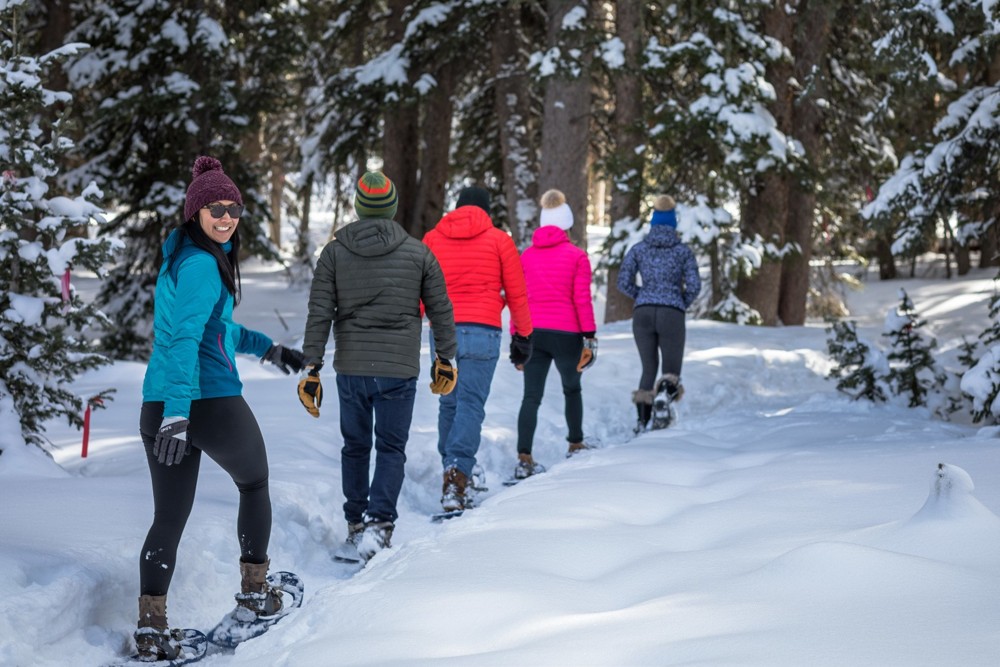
[(256, 612), (525, 468), (179, 647)]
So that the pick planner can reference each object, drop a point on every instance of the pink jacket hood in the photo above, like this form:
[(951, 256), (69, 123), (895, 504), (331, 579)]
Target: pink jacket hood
[(557, 275)]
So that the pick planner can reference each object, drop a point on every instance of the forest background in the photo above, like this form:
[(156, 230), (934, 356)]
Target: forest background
[(795, 135)]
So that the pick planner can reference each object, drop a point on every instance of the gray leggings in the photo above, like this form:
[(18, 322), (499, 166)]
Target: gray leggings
[(659, 333), (225, 429)]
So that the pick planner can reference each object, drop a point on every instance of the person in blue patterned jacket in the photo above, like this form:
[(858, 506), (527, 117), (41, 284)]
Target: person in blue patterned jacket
[(668, 273)]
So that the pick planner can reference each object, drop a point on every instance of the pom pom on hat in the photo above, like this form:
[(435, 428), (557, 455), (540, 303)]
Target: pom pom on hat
[(209, 183), (375, 196), (663, 212), (664, 203), (474, 196), (555, 211)]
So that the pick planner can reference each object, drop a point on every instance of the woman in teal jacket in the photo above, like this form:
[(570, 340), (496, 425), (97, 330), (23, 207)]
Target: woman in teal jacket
[(193, 403)]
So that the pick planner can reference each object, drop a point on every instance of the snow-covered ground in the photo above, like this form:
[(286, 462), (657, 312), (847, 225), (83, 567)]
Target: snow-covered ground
[(778, 523)]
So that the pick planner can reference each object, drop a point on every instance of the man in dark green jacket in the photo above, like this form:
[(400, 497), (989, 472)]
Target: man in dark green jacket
[(369, 284)]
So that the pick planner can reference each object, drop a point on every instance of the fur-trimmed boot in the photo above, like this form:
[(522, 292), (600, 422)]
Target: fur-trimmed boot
[(153, 639), (643, 399), (256, 595)]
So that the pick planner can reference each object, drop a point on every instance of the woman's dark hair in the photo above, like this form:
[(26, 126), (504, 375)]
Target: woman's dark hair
[(229, 264)]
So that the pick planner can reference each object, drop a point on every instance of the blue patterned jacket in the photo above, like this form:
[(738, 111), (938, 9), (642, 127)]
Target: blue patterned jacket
[(668, 269)]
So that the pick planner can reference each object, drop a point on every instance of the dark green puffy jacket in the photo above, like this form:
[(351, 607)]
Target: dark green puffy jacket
[(369, 283)]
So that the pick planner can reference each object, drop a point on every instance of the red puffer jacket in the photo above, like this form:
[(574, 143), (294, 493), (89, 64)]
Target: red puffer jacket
[(481, 266)]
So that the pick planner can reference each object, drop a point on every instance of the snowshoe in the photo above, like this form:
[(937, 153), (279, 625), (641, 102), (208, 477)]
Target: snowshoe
[(444, 516), (193, 646), (242, 624)]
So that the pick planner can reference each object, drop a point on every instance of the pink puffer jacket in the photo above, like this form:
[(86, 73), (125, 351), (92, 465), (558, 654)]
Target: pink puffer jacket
[(557, 275)]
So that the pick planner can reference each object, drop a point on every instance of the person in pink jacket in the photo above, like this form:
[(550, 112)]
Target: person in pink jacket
[(557, 276)]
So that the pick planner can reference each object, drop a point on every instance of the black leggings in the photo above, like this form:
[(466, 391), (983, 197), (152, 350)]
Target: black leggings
[(564, 349), (225, 429), (658, 331)]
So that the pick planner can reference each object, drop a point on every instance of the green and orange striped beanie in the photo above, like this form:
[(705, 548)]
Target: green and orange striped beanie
[(375, 196)]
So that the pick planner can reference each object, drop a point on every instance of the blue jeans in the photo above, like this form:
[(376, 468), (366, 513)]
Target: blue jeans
[(390, 400), (461, 413)]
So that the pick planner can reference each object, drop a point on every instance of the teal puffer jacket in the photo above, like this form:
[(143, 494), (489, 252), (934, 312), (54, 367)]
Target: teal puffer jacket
[(195, 339)]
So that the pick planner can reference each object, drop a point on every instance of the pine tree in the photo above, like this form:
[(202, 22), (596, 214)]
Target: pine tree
[(912, 370), (161, 85), (861, 368), (44, 323), (947, 168)]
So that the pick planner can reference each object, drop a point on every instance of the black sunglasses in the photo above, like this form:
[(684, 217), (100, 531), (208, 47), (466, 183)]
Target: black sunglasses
[(219, 210)]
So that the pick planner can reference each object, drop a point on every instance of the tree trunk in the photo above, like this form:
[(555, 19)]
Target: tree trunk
[(764, 214), (812, 40), (886, 262), (435, 143), (766, 208), (566, 123), (400, 147), (277, 194), (626, 193), (511, 104), (988, 247)]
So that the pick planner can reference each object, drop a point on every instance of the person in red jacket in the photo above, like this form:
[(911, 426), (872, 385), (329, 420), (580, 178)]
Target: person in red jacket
[(482, 271)]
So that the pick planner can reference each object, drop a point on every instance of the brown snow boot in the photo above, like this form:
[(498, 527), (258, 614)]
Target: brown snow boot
[(453, 490), (153, 639), (255, 593)]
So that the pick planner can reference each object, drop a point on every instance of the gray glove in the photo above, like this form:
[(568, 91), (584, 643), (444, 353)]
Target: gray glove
[(171, 443)]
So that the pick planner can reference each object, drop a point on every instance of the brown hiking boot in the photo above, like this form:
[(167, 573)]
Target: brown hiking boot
[(526, 467), (153, 639), (377, 535), (576, 448), (453, 490), (256, 595)]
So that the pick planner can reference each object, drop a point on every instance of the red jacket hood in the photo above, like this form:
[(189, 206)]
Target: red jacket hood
[(464, 223)]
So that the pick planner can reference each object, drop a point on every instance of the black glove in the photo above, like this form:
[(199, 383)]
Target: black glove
[(520, 350), (311, 390), (287, 360), (171, 443)]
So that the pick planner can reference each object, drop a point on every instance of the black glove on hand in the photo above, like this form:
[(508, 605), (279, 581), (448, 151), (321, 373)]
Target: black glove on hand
[(311, 390), (443, 376), (171, 443), (287, 360), (588, 355), (520, 350)]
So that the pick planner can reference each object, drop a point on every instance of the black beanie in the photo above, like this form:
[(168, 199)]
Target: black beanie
[(474, 196)]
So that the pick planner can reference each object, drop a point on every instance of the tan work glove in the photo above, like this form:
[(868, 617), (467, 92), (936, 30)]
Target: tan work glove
[(588, 355), (444, 376), (311, 390)]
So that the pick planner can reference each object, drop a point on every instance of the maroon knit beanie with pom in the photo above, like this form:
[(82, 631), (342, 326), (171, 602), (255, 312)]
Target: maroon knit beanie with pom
[(209, 183)]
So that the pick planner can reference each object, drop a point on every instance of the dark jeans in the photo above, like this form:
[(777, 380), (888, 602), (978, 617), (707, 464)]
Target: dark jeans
[(564, 349), (659, 333), (225, 429), (382, 405)]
